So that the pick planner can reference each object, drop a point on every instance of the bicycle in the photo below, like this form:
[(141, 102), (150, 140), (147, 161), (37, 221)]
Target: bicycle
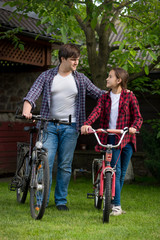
[(32, 172), (103, 175)]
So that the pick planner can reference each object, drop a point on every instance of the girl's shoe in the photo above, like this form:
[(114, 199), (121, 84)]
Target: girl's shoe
[(116, 211)]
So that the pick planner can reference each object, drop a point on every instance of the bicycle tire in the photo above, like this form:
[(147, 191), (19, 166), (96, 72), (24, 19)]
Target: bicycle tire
[(22, 190), (96, 173), (107, 195), (97, 198), (40, 188)]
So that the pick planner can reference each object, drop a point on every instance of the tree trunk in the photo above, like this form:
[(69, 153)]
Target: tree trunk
[(98, 58)]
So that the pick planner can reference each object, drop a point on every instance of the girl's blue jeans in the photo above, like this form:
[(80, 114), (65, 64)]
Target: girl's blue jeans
[(60, 139), (121, 167)]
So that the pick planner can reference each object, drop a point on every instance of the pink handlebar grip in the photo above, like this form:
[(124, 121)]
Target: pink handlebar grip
[(118, 131)]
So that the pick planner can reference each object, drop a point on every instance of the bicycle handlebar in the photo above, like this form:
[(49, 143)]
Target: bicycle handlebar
[(101, 130), (116, 131), (39, 118)]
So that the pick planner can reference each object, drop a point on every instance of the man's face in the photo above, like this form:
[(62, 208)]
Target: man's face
[(70, 64)]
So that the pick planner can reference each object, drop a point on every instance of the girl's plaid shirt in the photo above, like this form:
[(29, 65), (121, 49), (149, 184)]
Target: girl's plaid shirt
[(128, 116), (43, 85)]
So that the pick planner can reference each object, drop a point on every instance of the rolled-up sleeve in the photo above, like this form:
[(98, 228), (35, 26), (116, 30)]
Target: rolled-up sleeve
[(35, 90), (135, 113)]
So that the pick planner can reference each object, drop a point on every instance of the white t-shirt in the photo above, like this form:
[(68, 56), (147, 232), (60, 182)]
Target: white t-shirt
[(114, 109), (63, 95)]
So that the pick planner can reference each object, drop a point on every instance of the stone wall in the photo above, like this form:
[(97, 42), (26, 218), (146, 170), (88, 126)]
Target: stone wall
[(13, 88)]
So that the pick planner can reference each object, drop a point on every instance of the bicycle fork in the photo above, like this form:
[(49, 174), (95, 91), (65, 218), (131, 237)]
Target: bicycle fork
[(33, 177), (107, 168)]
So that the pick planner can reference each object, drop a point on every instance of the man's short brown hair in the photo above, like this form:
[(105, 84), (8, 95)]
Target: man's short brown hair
[(69, 50)]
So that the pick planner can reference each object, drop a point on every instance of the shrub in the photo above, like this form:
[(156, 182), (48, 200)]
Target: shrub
[(151, 146)]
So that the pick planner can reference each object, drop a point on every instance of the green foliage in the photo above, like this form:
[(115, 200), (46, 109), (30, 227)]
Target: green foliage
[(83, 63), (141, 25), (11, 35), (155, 125), (145, 85), (140, 28), (91, 23), (151, 145)]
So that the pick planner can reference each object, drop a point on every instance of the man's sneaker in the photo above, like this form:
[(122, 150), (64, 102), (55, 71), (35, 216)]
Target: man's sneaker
[(116, 211), (62, 208)]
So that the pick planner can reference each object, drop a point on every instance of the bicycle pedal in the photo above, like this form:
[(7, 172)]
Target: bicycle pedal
[(90, 195), (12, 187), (15, 183)]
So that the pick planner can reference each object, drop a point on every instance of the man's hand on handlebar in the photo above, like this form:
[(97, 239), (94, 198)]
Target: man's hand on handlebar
[(27, 110), (27, 115)]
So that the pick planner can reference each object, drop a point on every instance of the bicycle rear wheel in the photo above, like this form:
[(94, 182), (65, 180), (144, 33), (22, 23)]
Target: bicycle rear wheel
[(23, 183), (97, 198), (39, 187), (96, 173), (107, 196)]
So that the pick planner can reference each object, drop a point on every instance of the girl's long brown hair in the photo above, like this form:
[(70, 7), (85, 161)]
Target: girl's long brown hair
[(123, 74)]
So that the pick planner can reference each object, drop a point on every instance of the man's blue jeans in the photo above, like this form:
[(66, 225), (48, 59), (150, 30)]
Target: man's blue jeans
[(121, 166), (60, 139)]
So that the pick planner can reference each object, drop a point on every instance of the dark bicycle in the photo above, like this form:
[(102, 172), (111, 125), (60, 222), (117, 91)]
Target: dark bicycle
[(32, 171)]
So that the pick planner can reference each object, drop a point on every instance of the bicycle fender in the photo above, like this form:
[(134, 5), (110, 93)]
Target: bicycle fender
[(108, 169)]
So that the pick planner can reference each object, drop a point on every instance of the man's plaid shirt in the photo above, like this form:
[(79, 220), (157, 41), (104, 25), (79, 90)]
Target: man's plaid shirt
[(43, 85), (128, 116)]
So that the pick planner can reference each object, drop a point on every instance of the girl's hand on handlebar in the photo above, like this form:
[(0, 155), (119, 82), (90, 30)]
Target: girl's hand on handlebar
[(84, 129), (132, 130)]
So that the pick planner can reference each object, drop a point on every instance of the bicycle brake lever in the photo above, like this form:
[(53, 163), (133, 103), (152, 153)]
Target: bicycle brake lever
[(20, 117), (90, 130)]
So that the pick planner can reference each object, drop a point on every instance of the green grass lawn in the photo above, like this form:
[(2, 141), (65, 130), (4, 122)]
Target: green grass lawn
[(83, 221)]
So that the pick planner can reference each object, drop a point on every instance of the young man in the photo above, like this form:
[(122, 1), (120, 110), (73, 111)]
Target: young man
[(64, 93)]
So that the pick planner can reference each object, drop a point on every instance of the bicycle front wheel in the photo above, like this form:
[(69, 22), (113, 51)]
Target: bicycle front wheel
[(23, 184), (39, 187), (107, 196)]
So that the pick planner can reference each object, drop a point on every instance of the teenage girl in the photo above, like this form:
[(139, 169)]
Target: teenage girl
[(118, 108)]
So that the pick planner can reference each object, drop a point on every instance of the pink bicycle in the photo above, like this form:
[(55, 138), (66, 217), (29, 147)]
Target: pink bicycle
[(103, 175)]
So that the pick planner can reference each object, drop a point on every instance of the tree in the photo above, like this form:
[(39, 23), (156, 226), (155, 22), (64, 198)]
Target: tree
[(90, 23)]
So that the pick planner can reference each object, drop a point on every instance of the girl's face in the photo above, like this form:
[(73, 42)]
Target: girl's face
[(112, 81)]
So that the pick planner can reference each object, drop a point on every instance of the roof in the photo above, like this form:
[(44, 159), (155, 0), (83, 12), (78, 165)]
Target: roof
[(116, 37), (28, 25)]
